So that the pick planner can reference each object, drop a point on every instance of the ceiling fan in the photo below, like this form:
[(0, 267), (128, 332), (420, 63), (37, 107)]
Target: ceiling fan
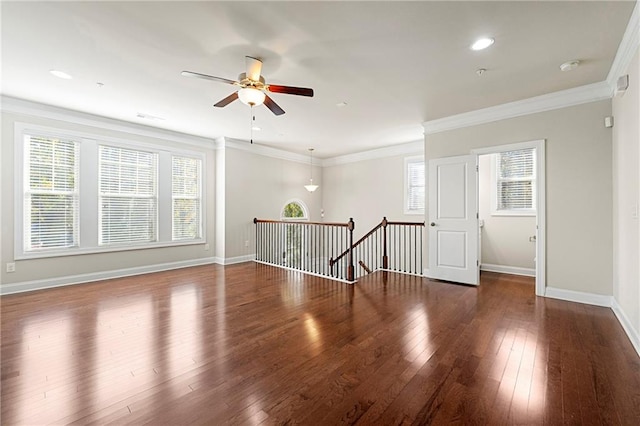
[(253, 87)]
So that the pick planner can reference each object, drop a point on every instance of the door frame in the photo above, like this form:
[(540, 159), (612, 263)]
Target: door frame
[(541, 198)]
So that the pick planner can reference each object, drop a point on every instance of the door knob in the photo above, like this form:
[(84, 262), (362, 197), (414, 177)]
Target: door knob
[(433, 224)]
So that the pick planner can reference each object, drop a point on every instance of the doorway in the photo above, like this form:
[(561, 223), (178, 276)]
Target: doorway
[(511, 200)]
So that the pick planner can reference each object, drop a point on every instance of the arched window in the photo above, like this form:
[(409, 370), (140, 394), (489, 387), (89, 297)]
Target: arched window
[(296, 210), (294, 239)]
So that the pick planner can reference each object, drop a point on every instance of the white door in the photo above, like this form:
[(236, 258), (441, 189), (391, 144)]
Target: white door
[(453, 219)]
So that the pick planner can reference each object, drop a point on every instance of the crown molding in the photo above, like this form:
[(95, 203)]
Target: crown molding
[(415, 147), (265, 151), (556, 100), (627, 48), (24, 107)]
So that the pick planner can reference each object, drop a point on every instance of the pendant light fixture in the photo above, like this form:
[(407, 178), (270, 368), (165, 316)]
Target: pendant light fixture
[(311, 187)]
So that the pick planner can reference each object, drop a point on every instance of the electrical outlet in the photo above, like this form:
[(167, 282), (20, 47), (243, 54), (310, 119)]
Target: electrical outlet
[(246, 243), (206, 247), (11, 267)]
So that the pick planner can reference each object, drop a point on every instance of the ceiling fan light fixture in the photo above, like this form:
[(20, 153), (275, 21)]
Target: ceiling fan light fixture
[(250, 96)]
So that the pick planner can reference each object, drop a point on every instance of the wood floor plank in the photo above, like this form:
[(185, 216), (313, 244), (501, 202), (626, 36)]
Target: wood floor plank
[(253, 344)]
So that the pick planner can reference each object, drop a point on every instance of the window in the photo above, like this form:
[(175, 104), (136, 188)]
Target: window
[(515, 182), (78, 193), (186, 194), (414, 185), (128, 199), (51, 202), (294, 210)]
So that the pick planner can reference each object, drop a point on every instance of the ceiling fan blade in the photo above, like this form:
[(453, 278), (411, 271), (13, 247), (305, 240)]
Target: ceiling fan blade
[(300, 91), (208, 77), (254, 68), (274, 107), (226, 101)]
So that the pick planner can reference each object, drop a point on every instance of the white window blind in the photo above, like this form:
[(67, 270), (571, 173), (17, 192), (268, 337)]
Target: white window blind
[(515, 180), (128, 195), (51, 202), (186, 198), (415, 186)]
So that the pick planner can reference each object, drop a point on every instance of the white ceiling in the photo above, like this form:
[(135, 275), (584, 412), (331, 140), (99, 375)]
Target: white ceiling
[(395, 64)]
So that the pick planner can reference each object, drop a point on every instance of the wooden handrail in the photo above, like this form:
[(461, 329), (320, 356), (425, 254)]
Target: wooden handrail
[(300, 222), (344, 253), (384, 222)]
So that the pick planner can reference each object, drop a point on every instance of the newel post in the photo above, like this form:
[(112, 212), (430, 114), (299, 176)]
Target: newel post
[(350, 268), (385, 258)]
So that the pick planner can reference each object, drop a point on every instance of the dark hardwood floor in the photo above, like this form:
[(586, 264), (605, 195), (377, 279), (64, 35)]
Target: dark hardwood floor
[(249, 344)]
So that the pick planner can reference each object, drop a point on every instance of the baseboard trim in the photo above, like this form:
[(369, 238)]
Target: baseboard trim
[(579, 297), (237, 259), (513, 270), (313, 274), (26, 286), (627, 326)]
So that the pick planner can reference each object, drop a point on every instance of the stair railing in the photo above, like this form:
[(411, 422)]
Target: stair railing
[(305, 246), (327, 249), (390, 245)]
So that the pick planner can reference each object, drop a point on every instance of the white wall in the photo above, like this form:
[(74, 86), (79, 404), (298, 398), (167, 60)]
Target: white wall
[(579, 180), (366, 190), (626, 198), (505, 239), (260, 186), (49, 269)]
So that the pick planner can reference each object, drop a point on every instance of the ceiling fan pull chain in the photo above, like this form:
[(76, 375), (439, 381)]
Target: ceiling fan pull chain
[(252, 118)]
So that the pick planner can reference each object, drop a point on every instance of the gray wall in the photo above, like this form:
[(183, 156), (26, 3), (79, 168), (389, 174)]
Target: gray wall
[(578, 189), (366, 190), (260, 186)]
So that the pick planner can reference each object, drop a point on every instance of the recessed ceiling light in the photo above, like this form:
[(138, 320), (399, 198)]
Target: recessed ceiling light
[(148, 116), (60, 74), (341, 104), (569, 65), (482, 43), (256, 128)]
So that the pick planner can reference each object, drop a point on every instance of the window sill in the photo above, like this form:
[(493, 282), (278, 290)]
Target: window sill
[(101, 250), (528, 213)]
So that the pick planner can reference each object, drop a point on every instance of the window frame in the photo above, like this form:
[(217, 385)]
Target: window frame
[(406, 184), (495, 180), (27, 192), (89, 191), (102, 197), (303, 206), (198, 196)]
